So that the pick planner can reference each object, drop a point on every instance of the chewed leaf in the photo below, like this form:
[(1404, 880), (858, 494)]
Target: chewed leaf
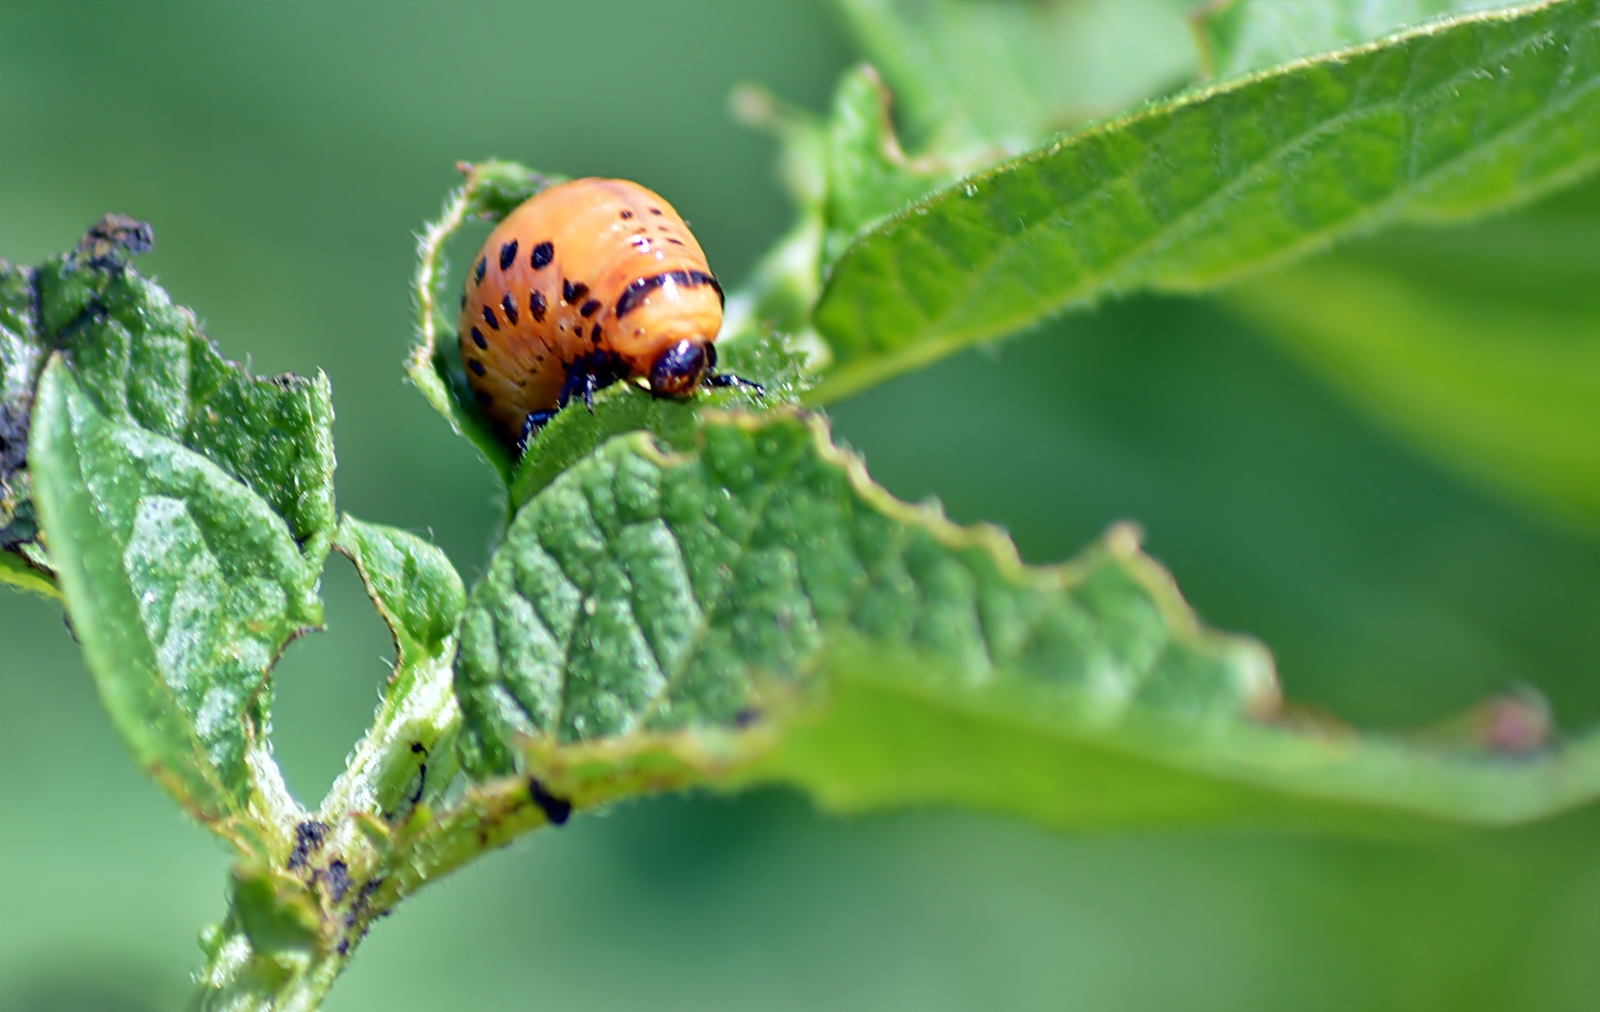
[(408, 756), (183, 586), (1239, 36), (145, 362), (754, 609), (1443, 123), (493, 190), (648, 592)]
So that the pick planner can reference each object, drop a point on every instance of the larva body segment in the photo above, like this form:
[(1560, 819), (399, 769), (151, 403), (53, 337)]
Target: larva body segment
[(586, 283)]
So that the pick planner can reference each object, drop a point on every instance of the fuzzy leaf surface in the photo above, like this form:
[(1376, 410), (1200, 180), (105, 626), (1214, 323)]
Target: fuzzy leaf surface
[(754, 608), (408, 756), (146, 362), (1444, 123), (183, 586)]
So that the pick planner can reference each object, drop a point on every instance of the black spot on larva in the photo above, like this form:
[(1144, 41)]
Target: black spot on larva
[(463, 299), (655, 210), (483, 265), (675, 242), (484, 397), (573, 292), (626, 215), (510, 306), (536, 305), (589, 307), (542, 255), (488, 317), (508, 253), (634, 295), (557, 810), (477, 338), (594, 335), (476, 367)]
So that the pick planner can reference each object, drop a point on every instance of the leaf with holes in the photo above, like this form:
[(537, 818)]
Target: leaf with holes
[(183, 586), (1446, 122)]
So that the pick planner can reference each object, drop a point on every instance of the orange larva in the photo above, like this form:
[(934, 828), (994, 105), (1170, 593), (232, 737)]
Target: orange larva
[(585, 284)]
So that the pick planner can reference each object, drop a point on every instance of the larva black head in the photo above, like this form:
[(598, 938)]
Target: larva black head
[(680, 368)]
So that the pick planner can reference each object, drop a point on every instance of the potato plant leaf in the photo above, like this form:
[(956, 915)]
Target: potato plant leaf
[(1481, 344), (145, 362), (753, 608), (408, 757), (22, 354), (1238, 36), (1445, 122), (183, 586)]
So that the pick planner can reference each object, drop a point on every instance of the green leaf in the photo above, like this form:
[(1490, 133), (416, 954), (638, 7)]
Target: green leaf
[(1482, 345), (868, 176), (572, 435), (983, 79), (1238, 36), (145, 362), (183, 586), (1440, 124), (408, 757), (22, 354), (755, 610)]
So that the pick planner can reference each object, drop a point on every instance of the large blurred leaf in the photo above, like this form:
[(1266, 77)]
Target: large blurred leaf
[(1482, 344), (183, 586), (1442, 123), (1243, 35), (993, 77), (146, 362), (756, 609)]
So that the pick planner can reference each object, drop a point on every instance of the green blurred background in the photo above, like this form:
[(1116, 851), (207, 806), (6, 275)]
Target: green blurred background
[(285, 154)]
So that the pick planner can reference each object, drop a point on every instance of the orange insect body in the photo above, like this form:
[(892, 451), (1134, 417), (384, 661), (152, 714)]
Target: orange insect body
[(587, 283)]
